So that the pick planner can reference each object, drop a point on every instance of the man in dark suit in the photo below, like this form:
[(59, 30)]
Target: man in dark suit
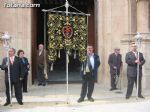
[(115, 63), (26, 67), (40, 66), (132, 61), (89, 73), (16, 75)]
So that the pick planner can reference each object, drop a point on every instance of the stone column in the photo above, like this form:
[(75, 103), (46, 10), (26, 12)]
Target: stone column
[(143, 19), (100, 41), (143, 26)]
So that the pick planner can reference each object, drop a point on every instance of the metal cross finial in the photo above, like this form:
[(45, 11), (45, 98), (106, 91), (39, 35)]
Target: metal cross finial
[(138, 36), (138, 39), (67, 6), (6, 37)]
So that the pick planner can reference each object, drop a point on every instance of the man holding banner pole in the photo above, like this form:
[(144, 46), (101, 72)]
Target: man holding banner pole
[(12, 66), (134, 59)]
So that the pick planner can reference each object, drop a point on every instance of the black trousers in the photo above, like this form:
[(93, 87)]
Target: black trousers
[(131, 81), (87, 85), (17, 88), (41, 76), (24, 83), (113, 81)]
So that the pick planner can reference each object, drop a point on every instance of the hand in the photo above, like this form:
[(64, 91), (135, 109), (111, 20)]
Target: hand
[(28, 66), (138, 62), (21, 78), (115, 67)]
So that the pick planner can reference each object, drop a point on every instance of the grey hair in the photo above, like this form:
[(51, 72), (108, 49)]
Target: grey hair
[(13, 49)]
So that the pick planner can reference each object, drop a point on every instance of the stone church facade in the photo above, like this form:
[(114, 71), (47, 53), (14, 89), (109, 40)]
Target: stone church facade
[(116, 22)]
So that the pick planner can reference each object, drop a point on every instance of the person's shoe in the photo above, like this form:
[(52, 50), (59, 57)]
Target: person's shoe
[(115, 88), (25, 91), (111, 89), (91, 99), (44, 84), (127, 97), (80, 100), (39, 84), (141, 96), (6, 104), (20, 103)]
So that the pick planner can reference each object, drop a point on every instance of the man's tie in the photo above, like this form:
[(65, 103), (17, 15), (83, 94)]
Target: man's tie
[(11, 60)]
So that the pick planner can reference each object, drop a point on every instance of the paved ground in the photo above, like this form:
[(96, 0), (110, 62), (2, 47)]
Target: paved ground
[(52, 98)]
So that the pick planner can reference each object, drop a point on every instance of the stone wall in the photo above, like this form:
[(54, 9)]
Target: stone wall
[(118, 22), (17, 21), (112, 26)]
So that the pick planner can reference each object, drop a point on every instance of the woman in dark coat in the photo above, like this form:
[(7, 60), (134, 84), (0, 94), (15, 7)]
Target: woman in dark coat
[(26, 67)]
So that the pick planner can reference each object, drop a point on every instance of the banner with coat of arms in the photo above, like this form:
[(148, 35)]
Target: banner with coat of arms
[(66, 32)]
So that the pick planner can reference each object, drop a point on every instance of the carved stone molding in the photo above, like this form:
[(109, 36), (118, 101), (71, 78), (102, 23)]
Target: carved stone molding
[(127, 39), (142, 0)]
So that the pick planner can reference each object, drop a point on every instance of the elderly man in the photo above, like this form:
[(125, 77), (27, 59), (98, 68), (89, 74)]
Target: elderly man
[(115, 63), (132, 61), (16, 75), (40, 66)]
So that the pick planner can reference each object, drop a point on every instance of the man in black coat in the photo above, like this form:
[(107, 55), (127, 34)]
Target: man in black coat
[(89, 73), (115, 63), (16, 76), (132, 61)]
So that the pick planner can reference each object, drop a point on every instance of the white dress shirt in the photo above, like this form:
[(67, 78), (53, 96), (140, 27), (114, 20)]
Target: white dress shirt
[(40, 52), (92, 60), (135, 53)]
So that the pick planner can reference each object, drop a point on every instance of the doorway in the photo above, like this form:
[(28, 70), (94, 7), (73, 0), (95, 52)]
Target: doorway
[(58, 75)]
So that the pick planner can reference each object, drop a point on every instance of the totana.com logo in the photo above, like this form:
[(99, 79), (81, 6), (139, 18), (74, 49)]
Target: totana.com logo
[(21, 5)]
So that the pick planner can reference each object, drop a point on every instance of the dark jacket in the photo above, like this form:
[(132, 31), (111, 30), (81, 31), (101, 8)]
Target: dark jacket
[(96, 65), (115, 61), (25, 63), (16, 70), (40, 60), (132, 66)]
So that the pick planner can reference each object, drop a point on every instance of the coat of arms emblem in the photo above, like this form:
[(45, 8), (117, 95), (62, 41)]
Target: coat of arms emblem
[(67, 31)]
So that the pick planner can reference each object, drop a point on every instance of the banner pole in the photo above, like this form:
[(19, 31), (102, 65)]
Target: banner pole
[(138, 39), (87, 27), (45, 63), (9, 81), (67, 85)]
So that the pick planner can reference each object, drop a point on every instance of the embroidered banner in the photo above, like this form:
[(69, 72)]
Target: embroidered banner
[(66, 32)]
